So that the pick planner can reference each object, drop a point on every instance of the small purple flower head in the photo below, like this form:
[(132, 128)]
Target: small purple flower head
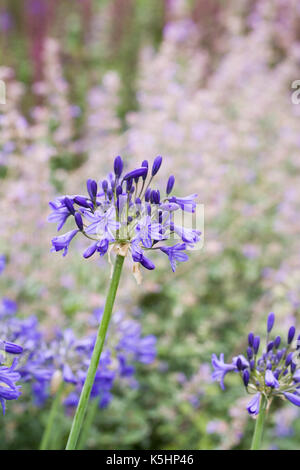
[(250, 339), (11, 348), (279, 355), (60, 212), (83, 202), (170, 184), (8, 388), (270, 379), (293, 398), (63, 241), (270, 322), (277, 342), (105, 185), (90, 250), (293, 368), (79, 221), (148, 194), (156, 165), (118, 166), (253, 405), (92, 188), (291, 334), (276, 373), (239, 364), (69, 205), (289, 359), (145, 164), (175, 254), (139, 172), (221, 369), (246, 377), (147, 263), (249, 353), (256, 343)]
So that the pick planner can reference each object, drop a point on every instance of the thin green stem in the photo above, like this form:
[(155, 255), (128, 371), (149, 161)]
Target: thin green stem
[(89, 381), (53, 413), (90, 415), (259, 425)]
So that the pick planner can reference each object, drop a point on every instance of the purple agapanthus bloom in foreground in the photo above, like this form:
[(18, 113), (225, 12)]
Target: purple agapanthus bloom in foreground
[(274, 373), (124, 214)]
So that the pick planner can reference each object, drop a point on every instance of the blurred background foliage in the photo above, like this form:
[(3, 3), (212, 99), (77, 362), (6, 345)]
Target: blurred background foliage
[(206, 84)]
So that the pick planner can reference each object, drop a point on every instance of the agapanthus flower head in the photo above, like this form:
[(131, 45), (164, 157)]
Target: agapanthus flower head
[(273, 373), (125, 214)]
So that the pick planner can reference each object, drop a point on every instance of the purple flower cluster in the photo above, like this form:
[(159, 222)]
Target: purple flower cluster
[(8, 375), (276, 372), (46, 363), (8, 388), (127, 345), (32, 365), (125, 214)]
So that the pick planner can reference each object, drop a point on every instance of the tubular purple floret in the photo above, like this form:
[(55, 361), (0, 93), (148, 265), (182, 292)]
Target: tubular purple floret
[(156, 165)]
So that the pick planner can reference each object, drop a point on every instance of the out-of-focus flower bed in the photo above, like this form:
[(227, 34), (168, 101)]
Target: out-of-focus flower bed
[(216, 104)]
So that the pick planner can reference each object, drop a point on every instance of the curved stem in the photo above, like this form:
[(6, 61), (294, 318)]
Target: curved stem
[(259, 425), (53, 413), (89, 381)]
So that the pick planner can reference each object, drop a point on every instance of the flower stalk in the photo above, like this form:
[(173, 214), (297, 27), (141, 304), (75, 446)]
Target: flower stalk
[(86, 390)]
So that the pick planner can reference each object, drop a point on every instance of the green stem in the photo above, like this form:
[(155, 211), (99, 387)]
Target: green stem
[(53, 413), (90, 415), (89, 381), (259, 425)]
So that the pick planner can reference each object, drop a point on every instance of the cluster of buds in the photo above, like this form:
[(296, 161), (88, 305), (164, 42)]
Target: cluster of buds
[(274, 373)]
